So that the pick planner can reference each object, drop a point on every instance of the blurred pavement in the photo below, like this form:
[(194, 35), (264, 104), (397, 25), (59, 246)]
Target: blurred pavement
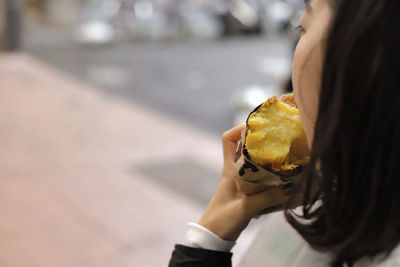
[(81, 174), (70, 192)]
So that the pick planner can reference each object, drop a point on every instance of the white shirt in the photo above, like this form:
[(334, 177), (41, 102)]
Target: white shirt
[(198, 236), (302, 255)]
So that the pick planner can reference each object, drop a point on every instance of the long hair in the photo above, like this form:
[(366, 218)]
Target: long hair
[(352, 184)]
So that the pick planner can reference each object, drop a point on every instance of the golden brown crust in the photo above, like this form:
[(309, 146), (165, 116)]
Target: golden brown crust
[(289, 172), (288, 99)]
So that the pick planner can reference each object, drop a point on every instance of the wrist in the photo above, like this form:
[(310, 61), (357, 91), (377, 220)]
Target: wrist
[(198, 236), (224, 230)]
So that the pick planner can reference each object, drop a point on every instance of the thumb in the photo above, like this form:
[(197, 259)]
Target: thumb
[(229, 142)]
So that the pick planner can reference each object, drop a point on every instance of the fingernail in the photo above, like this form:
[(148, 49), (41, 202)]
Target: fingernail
[(287, 189)]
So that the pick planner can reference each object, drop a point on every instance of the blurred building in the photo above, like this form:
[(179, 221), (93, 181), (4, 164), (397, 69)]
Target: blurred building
[(11, 12)]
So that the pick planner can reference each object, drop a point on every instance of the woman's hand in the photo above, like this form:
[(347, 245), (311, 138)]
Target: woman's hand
[(230, 211)]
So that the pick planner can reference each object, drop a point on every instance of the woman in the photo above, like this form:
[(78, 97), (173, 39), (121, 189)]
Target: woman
[(345, 80)]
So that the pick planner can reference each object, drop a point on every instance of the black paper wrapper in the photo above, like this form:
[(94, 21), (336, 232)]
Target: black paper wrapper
[(252, 178)]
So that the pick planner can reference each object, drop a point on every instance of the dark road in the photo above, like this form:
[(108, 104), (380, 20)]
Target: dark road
[(190, 81)]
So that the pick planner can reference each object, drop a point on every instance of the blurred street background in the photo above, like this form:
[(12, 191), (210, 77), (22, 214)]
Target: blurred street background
[(111, 117)]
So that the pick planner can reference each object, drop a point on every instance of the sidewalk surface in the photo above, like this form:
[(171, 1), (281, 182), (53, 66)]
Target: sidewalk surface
[(90, 180), (70, 190)]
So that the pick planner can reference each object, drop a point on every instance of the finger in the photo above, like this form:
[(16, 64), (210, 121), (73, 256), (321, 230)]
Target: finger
[(229, 141), (271, 197)]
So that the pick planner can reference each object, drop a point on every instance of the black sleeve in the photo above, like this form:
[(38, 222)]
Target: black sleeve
[(184, 256)]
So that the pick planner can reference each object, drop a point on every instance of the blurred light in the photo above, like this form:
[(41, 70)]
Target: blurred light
[(95, 32), (244, 13), (198, 22), (250, 97), (280, 11), (144, 9), (246, 100)]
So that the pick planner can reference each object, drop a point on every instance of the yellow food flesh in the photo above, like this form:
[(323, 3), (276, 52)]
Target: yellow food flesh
[(275, 136)]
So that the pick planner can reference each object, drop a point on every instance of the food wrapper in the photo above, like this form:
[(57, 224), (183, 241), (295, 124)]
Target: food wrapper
[(252, 178)]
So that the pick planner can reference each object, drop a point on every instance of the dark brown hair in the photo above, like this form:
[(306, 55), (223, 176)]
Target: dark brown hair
[(354, 212)]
